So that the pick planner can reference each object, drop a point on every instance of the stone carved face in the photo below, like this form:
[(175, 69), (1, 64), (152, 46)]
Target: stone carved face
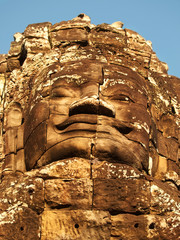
[(88, 105), (87, 97), (91, 110)]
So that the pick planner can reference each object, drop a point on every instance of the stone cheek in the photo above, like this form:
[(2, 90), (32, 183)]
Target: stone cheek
[(35, 145), (40, 113)]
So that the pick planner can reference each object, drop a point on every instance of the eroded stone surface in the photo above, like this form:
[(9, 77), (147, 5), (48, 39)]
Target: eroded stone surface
[(74, 168), (89, 135), (19, 222), (69, 193), (128, 226), (73, 225), (117, 195), (19, 190)]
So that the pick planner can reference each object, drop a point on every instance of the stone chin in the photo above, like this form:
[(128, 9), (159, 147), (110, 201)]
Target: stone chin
[(95, 145)]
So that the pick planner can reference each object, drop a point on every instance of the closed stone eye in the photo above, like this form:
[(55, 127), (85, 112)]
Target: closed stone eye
[(122, 97), (62, 92)]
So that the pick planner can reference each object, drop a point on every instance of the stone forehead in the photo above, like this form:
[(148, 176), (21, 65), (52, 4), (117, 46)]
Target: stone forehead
[(90, 68)]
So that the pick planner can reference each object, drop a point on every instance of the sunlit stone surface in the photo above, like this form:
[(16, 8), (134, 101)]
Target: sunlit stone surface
[(89, 135)]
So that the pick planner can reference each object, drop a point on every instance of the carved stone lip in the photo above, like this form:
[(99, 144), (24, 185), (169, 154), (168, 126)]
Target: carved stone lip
[(89, 119), (90, 122), (122, 127)]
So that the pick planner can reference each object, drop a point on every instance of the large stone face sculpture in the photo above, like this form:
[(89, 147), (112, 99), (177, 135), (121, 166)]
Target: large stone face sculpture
[(89, 135), (89, 116)]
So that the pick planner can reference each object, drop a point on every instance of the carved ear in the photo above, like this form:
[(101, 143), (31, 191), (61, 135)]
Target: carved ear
[(14, 115), (14, 144)]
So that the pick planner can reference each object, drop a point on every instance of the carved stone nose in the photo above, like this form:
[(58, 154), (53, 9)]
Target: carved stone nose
[(92, 105)]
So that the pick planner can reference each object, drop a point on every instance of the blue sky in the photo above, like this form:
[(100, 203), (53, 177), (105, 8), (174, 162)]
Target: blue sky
[(155, 20)]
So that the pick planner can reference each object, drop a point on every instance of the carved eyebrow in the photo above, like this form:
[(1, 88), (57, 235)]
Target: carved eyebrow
[(118, 93), (126, 82)]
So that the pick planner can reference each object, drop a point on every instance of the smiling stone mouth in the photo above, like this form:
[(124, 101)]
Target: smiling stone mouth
[(123, 128), (79, 118)]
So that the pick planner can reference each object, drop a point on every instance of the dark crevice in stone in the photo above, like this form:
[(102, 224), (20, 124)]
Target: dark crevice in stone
[(102, 79), (173, 110), (136, 225), (49, 40), (145, 171), (60, 206), (153, 143), (83, 44), (31, 191), (46, 177), (92, 146), (23, 55), (22, 121), (117, 212), (76, 225), (152, 226), (67, 180), (124, 129)]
